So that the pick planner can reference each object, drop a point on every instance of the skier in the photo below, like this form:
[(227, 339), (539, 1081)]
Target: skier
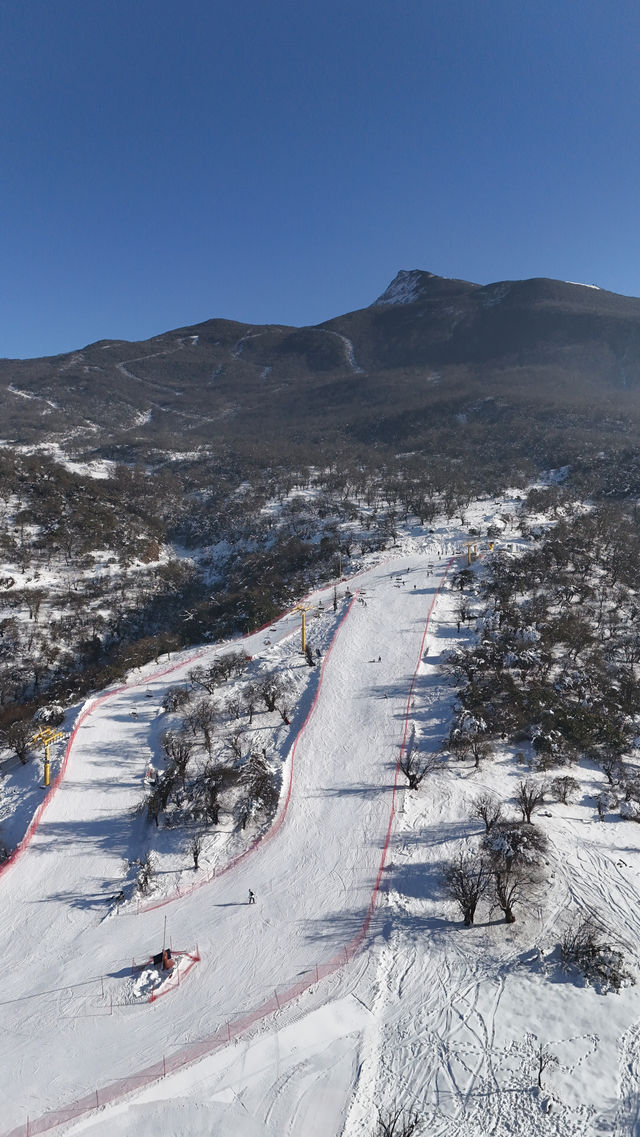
[(252, 898)]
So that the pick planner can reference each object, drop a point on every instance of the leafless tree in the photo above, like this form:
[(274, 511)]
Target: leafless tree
[(530, 795), (231, 663), (271, 688), (514, 853), (234, 743), (251, 698), (18, 738), (612, 769), (145, 874), (207, 789), (563, 788), (232, 708), (488, 809), (543, 1059), (469, 744), (178, 752), (196, 848), (466, 879), (396, 1123), (589, 946), (205, 678), (175, 699), (201, 719), (153, 805), (416, 766), (260, 784)]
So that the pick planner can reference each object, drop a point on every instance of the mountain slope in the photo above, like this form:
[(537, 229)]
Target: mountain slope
[(424, 351)]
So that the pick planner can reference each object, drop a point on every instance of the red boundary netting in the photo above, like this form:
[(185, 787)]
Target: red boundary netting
[(195, 1051)]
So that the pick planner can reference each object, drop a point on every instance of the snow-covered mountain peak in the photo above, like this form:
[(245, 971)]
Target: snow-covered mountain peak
[(405, 287)]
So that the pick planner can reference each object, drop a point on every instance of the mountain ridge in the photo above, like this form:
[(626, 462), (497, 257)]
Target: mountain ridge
[(416, 359)]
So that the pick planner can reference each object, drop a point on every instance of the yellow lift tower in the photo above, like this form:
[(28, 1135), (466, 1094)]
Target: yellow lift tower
[(46, 736), (303, 609)]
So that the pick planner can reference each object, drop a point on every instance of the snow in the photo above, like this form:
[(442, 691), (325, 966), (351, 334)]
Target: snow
[(348, 352), (404, 288), (581, 285), (278, 1030), (97, 468)]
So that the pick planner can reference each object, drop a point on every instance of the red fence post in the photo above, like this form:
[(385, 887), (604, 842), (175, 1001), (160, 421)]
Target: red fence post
[(164, 1066), (317, 974), (277, 999)]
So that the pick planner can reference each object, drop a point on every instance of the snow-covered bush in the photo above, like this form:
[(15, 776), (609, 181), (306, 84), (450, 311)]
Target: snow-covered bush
[(630, 810), (563, 788), (52, 715), (590, 948)]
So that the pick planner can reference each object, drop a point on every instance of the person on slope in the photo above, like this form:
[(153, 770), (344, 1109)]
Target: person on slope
[(252, 898)]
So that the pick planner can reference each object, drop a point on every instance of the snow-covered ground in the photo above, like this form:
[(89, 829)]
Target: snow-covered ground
[(351, 985)]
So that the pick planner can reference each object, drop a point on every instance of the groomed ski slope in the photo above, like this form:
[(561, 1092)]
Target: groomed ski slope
[(423, 1015), (314, 879)]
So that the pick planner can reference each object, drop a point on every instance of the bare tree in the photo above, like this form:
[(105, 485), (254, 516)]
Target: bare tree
[(488, 809), (466, 879), (543, 1058), (530, 795), (175, 699), (395, 1123), (205, 678), (612, 769), (201, 719), (589, 946), (207, 790), (18, 737), (195, 849), (145, 874), (469, 743), (153, 805), (260, 784), (178, 752), (232, 707), (563, 788), (251, 697), (514, 852), (234, 743), (271, 688), (415, 766)]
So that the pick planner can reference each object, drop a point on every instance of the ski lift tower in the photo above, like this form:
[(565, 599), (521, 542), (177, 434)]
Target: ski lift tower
[(303, 609), (46, 736)]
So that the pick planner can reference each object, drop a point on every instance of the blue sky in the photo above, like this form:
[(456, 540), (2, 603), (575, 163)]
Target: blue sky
[(269, 161)]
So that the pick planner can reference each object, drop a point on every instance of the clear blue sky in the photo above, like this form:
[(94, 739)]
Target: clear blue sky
[(163, 162)]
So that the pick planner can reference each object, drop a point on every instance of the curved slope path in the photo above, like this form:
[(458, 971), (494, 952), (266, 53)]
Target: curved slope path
[(314, 880)]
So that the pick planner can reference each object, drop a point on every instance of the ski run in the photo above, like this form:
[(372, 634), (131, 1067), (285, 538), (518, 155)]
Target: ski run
[(350, 988)]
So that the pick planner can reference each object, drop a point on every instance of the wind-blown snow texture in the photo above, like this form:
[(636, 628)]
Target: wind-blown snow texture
[(425, 1015)]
